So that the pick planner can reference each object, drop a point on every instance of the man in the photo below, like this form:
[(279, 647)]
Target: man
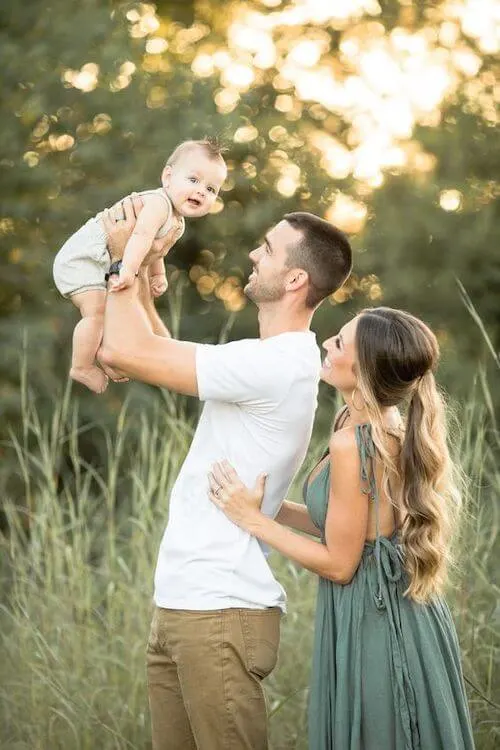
[(215, 629)]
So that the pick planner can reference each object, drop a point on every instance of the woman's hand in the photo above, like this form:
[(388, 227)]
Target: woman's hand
[(240, 504)]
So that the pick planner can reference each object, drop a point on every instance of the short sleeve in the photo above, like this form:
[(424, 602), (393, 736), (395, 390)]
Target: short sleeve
[(239, 372)]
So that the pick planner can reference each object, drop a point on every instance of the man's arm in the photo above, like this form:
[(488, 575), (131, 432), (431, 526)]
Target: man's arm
[(130, 346), (157, 324), (129, 343), (242, 372)]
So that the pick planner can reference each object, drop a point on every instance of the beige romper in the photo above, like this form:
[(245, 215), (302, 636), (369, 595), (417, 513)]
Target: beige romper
[(82, 262)]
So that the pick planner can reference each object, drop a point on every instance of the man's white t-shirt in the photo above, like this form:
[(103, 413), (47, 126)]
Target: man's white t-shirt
[(260, 397)]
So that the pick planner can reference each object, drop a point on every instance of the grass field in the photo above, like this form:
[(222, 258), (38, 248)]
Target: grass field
[(77, 559)]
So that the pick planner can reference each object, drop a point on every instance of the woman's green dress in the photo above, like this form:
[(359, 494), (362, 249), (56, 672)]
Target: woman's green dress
[(386, 670)]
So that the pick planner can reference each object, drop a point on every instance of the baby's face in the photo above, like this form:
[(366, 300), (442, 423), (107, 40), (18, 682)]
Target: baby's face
[(193, 183)]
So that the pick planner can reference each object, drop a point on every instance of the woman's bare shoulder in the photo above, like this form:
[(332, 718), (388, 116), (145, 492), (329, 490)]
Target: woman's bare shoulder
[(343, 443)]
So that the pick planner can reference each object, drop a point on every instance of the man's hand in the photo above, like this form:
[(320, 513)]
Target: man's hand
[(158, 284), (119, 222)]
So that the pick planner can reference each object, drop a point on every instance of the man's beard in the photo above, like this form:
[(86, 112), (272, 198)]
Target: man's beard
[(270, 291)]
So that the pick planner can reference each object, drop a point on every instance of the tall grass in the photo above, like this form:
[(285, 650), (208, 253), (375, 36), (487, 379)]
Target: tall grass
[(78, 554)]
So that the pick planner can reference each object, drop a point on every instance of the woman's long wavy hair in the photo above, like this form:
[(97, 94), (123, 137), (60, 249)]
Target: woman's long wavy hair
[(397, 355)]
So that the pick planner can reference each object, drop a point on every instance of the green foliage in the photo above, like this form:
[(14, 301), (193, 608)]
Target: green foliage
[(71, 146), (419, 251), (85, 519), (77, 561)]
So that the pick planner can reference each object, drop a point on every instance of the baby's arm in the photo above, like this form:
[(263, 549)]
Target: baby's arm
[(157, 277), (151, 218)]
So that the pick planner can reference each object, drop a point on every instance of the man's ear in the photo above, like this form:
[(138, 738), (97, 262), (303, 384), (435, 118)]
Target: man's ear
[(165, 175), (296, 279)]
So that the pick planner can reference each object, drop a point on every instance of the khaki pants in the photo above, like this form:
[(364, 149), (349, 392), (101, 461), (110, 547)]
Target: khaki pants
[(204, 677)]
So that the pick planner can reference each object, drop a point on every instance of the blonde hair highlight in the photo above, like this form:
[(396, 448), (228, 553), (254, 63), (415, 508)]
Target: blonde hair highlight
[(396, 368), (212, 146)]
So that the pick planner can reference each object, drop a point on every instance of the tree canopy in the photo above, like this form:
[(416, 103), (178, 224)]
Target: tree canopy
[(379, 116)]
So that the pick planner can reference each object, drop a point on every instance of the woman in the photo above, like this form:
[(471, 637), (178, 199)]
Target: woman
[(386, 666)]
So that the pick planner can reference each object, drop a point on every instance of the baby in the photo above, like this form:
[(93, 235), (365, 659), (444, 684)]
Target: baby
[(191, 180)]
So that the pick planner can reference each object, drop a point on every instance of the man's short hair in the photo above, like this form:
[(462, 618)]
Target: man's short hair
[(323, 251), (212, 147)]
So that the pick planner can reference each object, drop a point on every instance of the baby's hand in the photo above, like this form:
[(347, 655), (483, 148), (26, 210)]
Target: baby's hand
[(158, 284), (124, 280)]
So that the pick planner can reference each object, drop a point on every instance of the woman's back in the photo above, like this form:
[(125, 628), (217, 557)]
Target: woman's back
[(382, 662), (390, 516)]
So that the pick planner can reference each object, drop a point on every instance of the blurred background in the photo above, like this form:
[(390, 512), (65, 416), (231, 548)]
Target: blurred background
[(381, 117)]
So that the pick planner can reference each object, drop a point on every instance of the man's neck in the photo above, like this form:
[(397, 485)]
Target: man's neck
[(274, 320)]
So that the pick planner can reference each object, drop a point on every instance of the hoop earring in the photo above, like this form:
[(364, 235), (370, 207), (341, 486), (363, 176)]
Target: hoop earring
[(353, 394)]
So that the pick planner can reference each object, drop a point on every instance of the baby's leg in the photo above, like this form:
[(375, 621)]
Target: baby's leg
[(87, 338)]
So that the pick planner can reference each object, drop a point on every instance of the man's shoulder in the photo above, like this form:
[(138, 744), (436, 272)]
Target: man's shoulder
[(227, 346), (282, 349), (247, 370), (292, 340)]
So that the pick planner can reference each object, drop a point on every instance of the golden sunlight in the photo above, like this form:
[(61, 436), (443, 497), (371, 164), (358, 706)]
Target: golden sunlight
[(450, 200), (84, 79), (347, 214), (378, 84), (245, 134), (382, 85)]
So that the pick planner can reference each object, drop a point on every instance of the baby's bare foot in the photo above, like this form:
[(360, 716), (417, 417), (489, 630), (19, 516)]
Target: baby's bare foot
[(93, 377)]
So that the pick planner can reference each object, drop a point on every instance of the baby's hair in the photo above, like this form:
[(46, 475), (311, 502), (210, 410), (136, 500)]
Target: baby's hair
[(211, 145)]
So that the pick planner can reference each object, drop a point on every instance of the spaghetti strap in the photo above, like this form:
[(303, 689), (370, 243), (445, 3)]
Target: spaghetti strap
[(366, 448)]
